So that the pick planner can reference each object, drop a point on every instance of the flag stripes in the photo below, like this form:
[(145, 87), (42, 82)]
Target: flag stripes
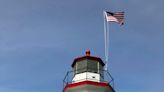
[(115, 17)]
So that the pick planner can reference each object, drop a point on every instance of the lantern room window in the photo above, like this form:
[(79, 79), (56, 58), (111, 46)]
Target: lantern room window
[(87, 66), (81, 66)]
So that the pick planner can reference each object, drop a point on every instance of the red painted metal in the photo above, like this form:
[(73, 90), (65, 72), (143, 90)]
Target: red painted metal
[(87, 82)]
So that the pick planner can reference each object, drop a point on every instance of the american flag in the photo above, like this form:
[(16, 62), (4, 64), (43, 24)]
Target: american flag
[(117, 17)]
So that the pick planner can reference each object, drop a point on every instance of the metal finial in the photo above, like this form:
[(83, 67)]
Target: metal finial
[(87, 52)]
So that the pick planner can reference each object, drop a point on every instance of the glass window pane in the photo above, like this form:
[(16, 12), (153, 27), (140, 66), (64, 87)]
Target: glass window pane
[(92, 66), (73, 70), (101, 71), (81, 66)]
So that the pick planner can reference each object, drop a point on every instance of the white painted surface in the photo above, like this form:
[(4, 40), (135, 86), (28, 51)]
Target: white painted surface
[(86, 76)]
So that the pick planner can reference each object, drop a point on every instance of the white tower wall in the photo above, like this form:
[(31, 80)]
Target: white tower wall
[(86, 76)]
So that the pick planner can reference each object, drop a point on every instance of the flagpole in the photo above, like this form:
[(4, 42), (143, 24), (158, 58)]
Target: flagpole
[(117, 17), (106, 41), (107, 31)]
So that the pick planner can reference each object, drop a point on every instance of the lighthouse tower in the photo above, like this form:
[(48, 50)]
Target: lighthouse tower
[(88, 75)]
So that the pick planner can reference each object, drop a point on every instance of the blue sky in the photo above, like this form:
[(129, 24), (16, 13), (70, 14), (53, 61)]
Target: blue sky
[(40, 38)]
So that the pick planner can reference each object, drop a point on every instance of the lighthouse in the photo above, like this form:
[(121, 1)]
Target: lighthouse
[(88, 75)]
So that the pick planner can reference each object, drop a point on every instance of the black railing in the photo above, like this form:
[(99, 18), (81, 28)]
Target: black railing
[(105, 76)]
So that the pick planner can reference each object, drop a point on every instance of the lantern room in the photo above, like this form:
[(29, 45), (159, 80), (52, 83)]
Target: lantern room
[(88, 68)]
